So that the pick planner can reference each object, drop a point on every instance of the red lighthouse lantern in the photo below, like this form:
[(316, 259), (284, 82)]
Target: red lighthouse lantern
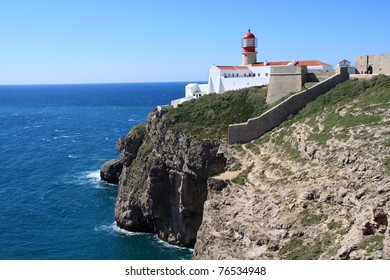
[(249, 42)]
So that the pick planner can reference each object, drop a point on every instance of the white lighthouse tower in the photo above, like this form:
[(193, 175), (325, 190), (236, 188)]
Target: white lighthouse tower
[(249, 44)]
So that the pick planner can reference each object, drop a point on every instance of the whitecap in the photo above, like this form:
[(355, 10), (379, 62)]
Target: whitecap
[(72, 156), (93, 175), (62, 136), (88, 178), (167, 245), (114, 229), (131, 120)]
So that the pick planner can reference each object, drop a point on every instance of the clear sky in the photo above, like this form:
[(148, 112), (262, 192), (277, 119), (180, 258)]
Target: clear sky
[(103, 41)]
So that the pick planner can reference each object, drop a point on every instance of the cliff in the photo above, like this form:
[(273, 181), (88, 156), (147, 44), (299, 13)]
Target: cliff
[(165, 164), (163, 184), (317, 187)]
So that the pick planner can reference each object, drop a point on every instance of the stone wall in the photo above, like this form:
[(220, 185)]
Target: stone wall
[(318, 76), (256, 127), (380, 64), (285, 80)]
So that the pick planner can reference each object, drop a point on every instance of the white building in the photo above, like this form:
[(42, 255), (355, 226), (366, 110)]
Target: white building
[(250, 73)]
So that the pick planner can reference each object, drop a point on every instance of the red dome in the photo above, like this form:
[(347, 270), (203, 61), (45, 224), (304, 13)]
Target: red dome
[(249, 35), (249, 42)]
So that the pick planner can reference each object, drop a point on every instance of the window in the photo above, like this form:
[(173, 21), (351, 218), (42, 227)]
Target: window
[(258, 74), (244, 74), (266, 74)]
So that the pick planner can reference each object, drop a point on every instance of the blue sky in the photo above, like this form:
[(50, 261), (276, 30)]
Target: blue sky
[(103, 41)]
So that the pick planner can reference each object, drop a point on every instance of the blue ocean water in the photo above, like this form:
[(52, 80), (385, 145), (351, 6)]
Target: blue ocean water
[(53, 140)]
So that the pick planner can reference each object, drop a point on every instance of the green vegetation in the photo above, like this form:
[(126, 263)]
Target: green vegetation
[(299, 248), (254, 148), (138, 129), (334, 225), (286, 146), (210, 115), (372, 95), (310, 219), (236, 166), (243, 176), (295, 249), (372, 243)]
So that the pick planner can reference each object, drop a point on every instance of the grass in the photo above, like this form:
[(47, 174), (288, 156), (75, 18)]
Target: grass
[(286, 146), (296, 249), (334, 225), (254, 148), (362, 96), (334, 120), (210, 115), (372, 243), (310, 219), (243, 176)]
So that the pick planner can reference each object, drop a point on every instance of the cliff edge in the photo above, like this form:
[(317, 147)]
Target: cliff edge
[(317, 187)]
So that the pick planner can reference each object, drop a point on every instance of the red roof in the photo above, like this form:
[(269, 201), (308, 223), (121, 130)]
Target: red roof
[(276, 63), (233, 67), (249, 35), (299, 63)]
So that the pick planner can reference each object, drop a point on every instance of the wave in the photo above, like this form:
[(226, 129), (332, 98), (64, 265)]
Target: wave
[(94, 175), (167, 245), (114, 229), (62, 136)]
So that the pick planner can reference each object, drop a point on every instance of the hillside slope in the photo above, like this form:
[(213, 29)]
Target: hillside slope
[(318, 187)]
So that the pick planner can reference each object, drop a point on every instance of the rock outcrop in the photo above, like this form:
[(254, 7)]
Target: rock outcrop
[(163, 184), (111, 170)]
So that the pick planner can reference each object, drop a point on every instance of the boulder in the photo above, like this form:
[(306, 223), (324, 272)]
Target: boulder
[(111, 170)]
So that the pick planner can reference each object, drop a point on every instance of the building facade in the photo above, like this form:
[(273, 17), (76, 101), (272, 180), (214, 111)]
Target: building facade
[(373, 64), (250, 73)]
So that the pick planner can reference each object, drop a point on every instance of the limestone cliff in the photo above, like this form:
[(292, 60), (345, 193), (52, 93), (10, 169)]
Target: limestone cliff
[(316, 188), (163, 184)]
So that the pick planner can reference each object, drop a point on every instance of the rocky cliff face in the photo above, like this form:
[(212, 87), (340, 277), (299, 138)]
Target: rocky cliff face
[(163, 184), (316, 188)]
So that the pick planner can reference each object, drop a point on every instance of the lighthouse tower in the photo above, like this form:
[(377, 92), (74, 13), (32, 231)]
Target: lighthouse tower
[(249, 44)]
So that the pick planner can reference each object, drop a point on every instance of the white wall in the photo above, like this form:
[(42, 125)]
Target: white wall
[(316, 69), (238, 83), (191, 89)]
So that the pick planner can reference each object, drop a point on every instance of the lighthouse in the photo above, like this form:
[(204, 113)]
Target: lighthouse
[(249, 44)]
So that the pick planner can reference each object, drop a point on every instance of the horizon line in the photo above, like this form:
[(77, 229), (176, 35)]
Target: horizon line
[(99, 83)]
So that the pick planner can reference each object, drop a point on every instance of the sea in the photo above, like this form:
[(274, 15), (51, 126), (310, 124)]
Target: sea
[(53, 140)]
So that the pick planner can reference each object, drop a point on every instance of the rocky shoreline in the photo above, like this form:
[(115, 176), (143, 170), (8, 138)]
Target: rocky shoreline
[(163, 183)]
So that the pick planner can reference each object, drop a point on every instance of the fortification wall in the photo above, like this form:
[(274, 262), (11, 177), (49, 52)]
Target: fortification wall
[(318, 76), (380, 64), (285, 80), (256, 127)]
